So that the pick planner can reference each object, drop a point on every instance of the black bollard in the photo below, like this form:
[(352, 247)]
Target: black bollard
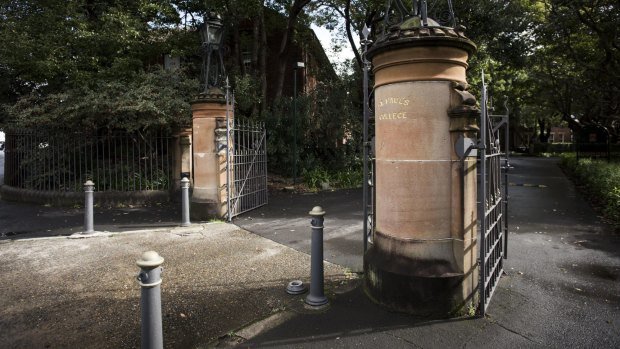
[(89, 188), (185, 202), (317, 295), (150, 302)]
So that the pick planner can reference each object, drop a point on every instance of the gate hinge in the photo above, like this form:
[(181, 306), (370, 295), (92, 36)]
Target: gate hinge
[(465, 147)]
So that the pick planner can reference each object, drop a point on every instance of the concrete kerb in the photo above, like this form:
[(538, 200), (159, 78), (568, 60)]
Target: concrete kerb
[(251, 330), (193, 229)]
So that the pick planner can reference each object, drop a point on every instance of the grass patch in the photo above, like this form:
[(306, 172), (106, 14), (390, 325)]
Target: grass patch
[(600, 180), (317, 177)]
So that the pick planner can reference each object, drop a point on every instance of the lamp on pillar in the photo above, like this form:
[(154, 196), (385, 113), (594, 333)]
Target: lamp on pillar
[(210, 112), (212, 70), (441, 11), (298, 66), (423, 257)]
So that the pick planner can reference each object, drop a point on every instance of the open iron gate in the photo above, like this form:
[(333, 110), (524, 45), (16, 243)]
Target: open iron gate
[(492, 201), (368, 165), (247, 166)]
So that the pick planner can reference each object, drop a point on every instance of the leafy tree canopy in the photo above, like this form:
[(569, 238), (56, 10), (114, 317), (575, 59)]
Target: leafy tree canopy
[(548, 59), (61, 53)]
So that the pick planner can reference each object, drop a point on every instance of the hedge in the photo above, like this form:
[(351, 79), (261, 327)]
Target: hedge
[(601, 180)]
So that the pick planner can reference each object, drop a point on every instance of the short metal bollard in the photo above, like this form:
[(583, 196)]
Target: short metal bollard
[(317, 295), (185, 202), (150, 303), (89, 189)]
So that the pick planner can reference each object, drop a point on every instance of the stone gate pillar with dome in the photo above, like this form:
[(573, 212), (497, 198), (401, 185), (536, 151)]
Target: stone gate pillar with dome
[(423, 258)]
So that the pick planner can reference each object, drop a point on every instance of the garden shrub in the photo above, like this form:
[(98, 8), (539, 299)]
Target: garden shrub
[(601, 180)]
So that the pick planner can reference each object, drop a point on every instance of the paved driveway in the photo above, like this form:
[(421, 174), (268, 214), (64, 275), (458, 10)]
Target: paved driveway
[(560, 289), (286, 220)]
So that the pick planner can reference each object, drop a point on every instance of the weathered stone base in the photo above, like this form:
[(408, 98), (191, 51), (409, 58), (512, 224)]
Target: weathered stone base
[(203, 211), (426, 288)]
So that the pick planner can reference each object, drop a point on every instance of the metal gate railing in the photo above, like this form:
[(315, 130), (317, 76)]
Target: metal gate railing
[(247, 166), (61, 160), (493, 203), (368, 185)]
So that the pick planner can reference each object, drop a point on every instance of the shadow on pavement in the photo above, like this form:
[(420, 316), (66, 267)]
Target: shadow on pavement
[(25, 221), (352, 321), (286, 220)]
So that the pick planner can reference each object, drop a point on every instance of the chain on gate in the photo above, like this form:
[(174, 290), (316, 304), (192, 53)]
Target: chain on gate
[(493, 205)]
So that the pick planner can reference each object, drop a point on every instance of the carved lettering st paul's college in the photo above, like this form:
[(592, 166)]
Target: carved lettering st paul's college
[(391, 102)]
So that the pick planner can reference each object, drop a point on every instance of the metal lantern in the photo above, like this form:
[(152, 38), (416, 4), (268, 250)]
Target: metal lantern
[(211, 33), (428, 12)]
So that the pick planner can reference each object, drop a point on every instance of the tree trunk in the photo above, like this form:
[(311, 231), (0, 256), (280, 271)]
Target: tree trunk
[(262, 64), (347, 24), (545, 131), (259, 54), (285, 44), (237, 48)]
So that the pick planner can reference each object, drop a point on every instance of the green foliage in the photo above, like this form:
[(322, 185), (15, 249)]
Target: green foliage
[(153, 99), (576, 64), (47, 45), (347, 178), (279, 122), (247, 93), (77, 63), (601, 180), (328, 131), (314, 178), (122, 178)]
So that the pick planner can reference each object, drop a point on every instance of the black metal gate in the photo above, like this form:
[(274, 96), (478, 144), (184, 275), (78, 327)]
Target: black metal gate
[(368, 186), (492, 201), (247, 166)]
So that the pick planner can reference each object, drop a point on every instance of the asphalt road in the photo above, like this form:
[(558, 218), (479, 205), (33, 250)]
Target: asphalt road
[(560, 289), (286, 220)]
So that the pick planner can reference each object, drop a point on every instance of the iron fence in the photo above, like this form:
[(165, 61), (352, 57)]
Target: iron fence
[(62, 160)]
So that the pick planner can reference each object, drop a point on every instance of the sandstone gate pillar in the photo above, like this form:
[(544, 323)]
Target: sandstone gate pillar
[(423, 258), (209, 159)]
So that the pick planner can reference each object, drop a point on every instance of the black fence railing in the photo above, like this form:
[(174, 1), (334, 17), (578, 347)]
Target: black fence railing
[(62, 160)]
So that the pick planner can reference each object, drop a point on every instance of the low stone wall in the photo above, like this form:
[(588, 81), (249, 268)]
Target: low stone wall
[(104, 198)]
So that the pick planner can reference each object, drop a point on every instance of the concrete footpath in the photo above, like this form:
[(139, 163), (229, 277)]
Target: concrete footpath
[(561, 289), (224, 286)]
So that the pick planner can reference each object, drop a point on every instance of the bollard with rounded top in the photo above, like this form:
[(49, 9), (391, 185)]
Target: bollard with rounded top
[(185, 202), (89, 188), (316, 296), (150, 303)]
